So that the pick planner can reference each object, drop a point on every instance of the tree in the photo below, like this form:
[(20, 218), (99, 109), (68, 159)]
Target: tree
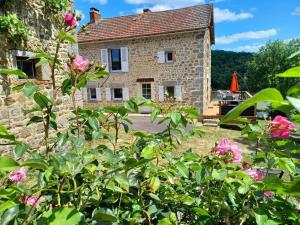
[(270, 60), (223, 63)]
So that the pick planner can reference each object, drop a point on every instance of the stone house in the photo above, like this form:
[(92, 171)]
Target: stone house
[(37, 19), (151, 54)]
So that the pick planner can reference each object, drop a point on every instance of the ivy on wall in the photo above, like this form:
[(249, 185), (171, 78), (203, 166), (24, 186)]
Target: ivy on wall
[(13, 28)]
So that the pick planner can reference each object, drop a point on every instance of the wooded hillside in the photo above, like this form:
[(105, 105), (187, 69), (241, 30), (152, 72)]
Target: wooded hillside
[(223, 63)]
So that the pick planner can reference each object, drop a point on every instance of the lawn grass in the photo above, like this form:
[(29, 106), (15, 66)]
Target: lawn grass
[(199, 145)]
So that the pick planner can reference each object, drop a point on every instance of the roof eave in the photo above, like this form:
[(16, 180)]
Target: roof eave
[(142, 36)]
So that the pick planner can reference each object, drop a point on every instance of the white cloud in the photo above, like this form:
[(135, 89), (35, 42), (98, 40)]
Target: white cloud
[(248, 48), (155, 8), (102, 2), (171, 3), (162, 5), (250, 35), (227, 15), (296, 11)]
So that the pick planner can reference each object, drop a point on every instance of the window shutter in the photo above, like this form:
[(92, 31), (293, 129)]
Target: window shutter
[(85, 94), (161, 93), (124, 59), (125, 94), (104, 58), (161, 57), (178, 93), (98, 94), (45, 71), (108, 94)]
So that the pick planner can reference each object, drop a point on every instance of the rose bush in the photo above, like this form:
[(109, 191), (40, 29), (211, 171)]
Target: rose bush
[(84, 175)]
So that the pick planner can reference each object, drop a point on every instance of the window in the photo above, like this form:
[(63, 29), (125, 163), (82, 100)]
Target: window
[(169, 57), (115, 57), (92, 94), (117, 93), (27, 66), (170, 91), (146, 91)]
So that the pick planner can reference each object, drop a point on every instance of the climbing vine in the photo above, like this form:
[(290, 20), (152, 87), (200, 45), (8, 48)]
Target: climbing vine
[(13, 28)]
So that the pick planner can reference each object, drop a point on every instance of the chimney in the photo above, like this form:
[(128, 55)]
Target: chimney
[(94, 15), (146, 10)]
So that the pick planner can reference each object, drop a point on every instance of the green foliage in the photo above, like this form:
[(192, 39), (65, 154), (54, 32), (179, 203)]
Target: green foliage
[(223, 63), (14, 29), (57, 6), (272, 59)]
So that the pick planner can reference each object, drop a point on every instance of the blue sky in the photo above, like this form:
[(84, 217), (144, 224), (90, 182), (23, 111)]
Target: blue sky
[(241, 25)]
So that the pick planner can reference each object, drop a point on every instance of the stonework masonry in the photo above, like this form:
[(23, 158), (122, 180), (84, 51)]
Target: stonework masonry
[(190, 68), (12, 104)]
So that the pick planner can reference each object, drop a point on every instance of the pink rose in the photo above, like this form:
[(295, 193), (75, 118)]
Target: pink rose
[(18, 175), (281, 127), (70, 20), (80, 64), (268, 194), (29, 200), (255, 174), (227, 148)]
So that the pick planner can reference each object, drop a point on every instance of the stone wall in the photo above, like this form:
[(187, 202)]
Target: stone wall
[(13, 104), (190, 69)]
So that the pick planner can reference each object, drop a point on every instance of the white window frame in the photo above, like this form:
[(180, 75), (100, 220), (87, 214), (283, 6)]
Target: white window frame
[(90, 94), (113, 94), (146, 83), (110, 60), (166, 56)]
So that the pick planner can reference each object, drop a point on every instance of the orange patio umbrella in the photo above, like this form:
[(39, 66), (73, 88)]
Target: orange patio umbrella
[(234, 86)]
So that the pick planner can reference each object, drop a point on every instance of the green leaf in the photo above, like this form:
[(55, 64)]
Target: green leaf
[(243, 189), (262, 219), (154, 184), (35, 119), (149, 151), (219, 174), (19, 73), (295, 102), (5, 135), (64, 36), (6, 205), (287, 164), (131, 106), (103, 215), (165, 221), (39, 164), (183, 170), (293, 72), (294, 91), (267, 95), (42, 100), (175, 118), (9, 215), (7, 163), (94, 123), (59, 216), (20, 149), (41, 62), (123, 181), (29, 89), (155, 114)]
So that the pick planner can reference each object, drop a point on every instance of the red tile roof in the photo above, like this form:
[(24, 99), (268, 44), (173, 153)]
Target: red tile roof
[(150, 23)]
